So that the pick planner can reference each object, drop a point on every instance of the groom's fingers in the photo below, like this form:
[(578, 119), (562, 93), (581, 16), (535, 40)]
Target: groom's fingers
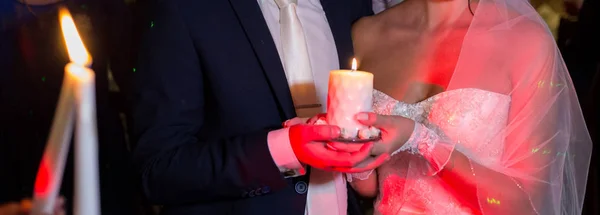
[(304, 134), (345, 147), (343, 159), (316, 118), (372, 165), (294, 121), (320, 132)]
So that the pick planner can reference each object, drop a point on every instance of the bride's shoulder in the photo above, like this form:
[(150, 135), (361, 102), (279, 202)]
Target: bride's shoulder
[(530, 38), (366, 30), (366, 24), (517, 32), (384, 24)]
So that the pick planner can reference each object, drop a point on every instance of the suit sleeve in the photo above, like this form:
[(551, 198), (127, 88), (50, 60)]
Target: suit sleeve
[(177, 166)]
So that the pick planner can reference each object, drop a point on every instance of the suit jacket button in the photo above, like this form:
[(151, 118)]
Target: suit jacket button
[(258, 191), (301, 187), (252, 193)]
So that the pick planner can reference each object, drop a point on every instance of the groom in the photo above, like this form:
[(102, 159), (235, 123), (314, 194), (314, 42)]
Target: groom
[(216, 81)]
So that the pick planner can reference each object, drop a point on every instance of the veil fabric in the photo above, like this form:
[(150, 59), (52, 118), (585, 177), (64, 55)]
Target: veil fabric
[(546, 148)]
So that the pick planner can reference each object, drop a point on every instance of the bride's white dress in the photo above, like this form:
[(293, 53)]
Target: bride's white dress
[(470, 118)]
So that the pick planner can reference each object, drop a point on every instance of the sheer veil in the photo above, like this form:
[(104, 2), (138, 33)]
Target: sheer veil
[(509, 50)]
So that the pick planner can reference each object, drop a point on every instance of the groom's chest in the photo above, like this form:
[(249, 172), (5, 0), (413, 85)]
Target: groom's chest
[(226, 34), (238, 51)]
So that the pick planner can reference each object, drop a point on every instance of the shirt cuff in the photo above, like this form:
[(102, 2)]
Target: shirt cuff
[(283, 154)]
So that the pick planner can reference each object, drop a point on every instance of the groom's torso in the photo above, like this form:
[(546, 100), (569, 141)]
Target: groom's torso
[(245, 84)]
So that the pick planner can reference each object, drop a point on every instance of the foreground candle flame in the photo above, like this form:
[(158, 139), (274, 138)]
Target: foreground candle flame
[(354, 64), (77, 52)]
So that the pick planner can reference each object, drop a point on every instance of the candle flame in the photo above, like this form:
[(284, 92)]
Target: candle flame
[(77, 52), (354, 64)]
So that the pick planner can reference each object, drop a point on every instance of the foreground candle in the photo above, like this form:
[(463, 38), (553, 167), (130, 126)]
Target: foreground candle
[(78, 93), (350, 92), (50, 172)]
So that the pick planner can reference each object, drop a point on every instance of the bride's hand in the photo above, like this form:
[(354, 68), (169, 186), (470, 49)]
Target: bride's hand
[(395, 131)]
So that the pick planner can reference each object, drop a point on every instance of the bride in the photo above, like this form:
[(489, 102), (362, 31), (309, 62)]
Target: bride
[(477, 112)]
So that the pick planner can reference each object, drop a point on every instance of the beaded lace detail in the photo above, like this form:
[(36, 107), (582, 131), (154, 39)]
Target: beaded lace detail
[(468, 120)]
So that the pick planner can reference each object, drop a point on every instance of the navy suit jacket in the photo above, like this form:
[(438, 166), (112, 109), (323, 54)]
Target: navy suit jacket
[(209, 88)]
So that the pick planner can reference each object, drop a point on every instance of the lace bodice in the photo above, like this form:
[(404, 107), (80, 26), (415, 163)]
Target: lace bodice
[(468, 119)]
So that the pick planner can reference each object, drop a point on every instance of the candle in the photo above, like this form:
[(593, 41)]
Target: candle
[(350, 92), (50, 172), (86, 142), (86, 137), (77, 93)]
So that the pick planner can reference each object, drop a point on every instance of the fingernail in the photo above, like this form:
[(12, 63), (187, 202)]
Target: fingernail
[(362, 116), (335, 131)]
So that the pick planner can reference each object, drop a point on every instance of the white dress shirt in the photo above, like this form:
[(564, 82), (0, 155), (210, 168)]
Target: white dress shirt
[(323, 56)]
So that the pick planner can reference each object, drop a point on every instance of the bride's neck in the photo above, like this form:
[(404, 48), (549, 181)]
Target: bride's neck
[(441, 13), (427, 14)]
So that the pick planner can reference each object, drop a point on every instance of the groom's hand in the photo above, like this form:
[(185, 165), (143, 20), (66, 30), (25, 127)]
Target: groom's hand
[(309, 145), (24, 207)]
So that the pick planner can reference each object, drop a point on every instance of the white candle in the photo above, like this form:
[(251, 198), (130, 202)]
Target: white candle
[(350, 92), (50, 172), (86, 142), (86, 200), (78, 93)]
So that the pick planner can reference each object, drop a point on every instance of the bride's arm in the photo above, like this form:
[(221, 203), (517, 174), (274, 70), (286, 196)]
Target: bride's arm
[(514, 179)]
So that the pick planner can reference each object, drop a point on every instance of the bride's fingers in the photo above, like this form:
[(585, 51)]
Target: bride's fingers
[(379, 148), (375, 120)]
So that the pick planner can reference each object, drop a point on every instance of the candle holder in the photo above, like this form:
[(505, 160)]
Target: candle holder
[(370, 134)]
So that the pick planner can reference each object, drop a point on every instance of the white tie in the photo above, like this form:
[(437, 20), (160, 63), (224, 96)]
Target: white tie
[(295, 60), (322, 196)]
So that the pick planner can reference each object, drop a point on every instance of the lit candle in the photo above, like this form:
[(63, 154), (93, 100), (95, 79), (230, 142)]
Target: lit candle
[(50, 172), (86, 142), (350, 92), (79, 93), (86, 137)]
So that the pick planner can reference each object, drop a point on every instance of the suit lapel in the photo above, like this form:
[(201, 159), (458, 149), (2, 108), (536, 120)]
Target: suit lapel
[(337, 16), (250, 16)]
